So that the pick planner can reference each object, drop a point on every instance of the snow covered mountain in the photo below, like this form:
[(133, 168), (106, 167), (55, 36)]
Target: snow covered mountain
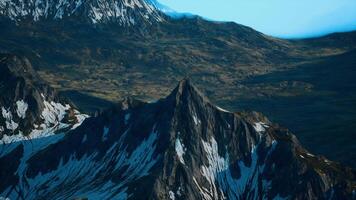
[(180, 147), (124, 12), (30, 108)]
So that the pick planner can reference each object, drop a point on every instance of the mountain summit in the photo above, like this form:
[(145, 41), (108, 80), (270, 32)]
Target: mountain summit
[(125, 12), (29, 107), (180, 147)]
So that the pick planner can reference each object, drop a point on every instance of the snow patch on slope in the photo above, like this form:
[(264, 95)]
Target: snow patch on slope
[(35, 134), (260, 127), (171, 195), (180, 150), (141, 159), (88, 170), (223, 110), (21, 109), (80, 119), (10, 124), (216, 165), (54, 112), (196, 119), (218, 174), (53, 115)]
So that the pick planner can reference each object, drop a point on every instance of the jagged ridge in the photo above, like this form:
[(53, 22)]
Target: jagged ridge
[(29, 107), (180, 147)]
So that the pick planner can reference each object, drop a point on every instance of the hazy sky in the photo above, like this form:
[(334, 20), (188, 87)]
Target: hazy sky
[(282, 18)]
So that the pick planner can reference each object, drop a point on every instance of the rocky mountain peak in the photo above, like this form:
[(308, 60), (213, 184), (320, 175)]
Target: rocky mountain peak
[(29, 107), (180, 147), (122, 12), (186, 87), (187, 94), (13, 66)]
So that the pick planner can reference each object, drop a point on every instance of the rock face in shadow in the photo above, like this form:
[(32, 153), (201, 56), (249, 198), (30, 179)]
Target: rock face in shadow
[(29, 107), (180, 147)]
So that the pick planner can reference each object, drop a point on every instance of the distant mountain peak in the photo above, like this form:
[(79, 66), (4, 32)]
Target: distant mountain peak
[(124, 12)]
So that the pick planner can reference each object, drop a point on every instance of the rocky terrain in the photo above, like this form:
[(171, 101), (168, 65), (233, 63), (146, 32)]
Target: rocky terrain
[(88, 55), (125, 13), (180, 147), (85, 57), (29, 107)]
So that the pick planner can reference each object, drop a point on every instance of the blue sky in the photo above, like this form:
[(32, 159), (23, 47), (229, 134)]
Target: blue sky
[(280, 18)]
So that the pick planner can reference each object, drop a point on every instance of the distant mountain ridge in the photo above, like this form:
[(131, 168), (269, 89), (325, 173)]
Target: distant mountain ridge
[(124, 12)]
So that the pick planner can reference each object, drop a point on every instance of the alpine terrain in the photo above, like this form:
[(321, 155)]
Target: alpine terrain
[(60, 59), (29, 107), (125, 12), (180, 147)]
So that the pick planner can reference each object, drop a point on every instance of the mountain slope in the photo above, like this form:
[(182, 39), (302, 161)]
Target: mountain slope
[(75, 54), (180, 147), (29, 107), (110, 55), (123, 12), (123, 59)]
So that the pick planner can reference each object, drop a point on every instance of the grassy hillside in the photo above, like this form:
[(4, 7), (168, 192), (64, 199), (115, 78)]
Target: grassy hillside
[(306, 85)]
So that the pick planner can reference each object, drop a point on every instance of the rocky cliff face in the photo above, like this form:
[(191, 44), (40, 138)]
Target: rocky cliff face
[(180, 147), (125, 12), (29, 107)]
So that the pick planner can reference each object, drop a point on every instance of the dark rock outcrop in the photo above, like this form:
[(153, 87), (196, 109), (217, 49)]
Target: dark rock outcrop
[(29, 107)]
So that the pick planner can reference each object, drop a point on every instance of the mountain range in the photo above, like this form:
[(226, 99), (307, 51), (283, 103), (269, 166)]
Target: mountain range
[(179, 147), (89, 54)]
